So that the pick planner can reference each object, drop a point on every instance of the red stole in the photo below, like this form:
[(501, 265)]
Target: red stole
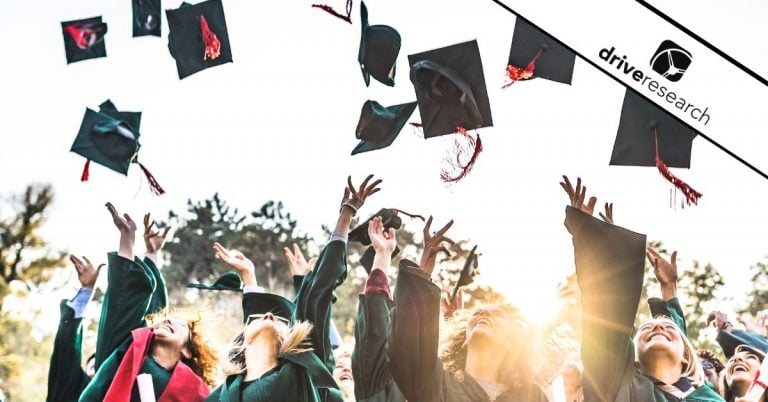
[(183, 386)]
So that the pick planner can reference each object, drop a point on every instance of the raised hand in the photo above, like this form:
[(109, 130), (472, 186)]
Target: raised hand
[(383, 241), (355, 198), (577, 195), (123, 223), (153, 241), (719, 320), (665, 271), (235, 259), (607, 216), (86, 273), (433, 244), (449, 308), (299, 266)]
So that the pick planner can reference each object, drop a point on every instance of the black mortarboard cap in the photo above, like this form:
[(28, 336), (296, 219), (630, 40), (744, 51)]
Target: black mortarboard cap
[(198, 37), (146, 17), (262, 303), (635, 140), (467, 273), (390, 219), (110, 138), (450, 89), (366, 260), (379, 126), (84, 39), (555, 62), (379, 47), (228, 281)]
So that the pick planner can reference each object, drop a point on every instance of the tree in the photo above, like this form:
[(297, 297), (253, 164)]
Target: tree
[(24, 255), (758, 296)]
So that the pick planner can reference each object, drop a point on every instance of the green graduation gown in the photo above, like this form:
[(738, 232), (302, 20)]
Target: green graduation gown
[(301, 377), (66, 377), (609, 269), (413, 350), (135, 288), (370, 360)]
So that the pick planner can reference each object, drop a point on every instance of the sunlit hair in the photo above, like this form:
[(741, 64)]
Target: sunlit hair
[(203, 360), (723, 389), (296, 341), (558, 349), (692, 368), (453, 349)]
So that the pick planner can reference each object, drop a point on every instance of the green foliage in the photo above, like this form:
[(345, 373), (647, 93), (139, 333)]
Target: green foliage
[(23, 360), (758, 296), (24, 255)]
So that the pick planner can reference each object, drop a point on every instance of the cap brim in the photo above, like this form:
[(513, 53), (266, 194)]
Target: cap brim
[(555, 63), (213, 287), (403, 113)]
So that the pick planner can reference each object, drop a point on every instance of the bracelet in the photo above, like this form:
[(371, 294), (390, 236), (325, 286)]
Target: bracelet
[(350, 206)]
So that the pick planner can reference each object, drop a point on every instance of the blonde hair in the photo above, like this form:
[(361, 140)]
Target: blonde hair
[(722, 384), (692, 368), (296, 341), (453, 349)]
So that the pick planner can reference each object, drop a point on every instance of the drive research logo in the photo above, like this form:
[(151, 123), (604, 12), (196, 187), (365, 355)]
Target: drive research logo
[(671, 60)]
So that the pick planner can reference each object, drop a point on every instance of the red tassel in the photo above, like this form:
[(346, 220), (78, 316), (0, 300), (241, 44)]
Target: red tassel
[(333, 12), (86, 169), (78, 35), (519, 74), (153, 184), (691, 196), (212, 44), (455, 163)]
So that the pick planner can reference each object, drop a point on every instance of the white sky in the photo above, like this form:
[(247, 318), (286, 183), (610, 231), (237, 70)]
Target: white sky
[(279, 123)]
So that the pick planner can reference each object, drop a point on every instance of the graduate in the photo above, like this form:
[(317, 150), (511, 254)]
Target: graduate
[(373, 380), (486, 357), (171, 349), (284, 352), (659, 364), (66, 377)]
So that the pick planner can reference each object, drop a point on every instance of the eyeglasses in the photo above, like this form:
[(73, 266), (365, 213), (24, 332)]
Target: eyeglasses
[(254, 317)]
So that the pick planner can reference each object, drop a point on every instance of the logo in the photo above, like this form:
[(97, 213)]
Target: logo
[(671, 60)]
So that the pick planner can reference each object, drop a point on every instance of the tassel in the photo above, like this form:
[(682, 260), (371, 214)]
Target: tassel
[(691, 196), (86, 169), (475, 144), (333, 12), (212, 44), (519, 74), (153, 184), (413, 216)]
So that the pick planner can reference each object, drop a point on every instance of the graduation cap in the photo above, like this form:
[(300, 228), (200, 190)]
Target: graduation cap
[(649, 136), (198, 37), (390, 220), (84, 39), (379, 126), (228, 281), (262, 303), (467, 274), (452, 98), (146, 17), (536, 54), (379, 47), (110, 138)]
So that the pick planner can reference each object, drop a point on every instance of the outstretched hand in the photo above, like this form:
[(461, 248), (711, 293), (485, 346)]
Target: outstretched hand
[(434, 243), (578, 194), (153, 241), (235, 259), (299, 266), (719, 320), (123, 223), (86, 273), (355, 198), (451, 307), (665, 271), (383, 241)]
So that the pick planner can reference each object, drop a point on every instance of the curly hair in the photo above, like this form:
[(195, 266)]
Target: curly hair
[(453, 349), (203, 359)]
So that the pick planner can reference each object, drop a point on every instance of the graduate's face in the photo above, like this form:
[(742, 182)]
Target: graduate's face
[(741, 368), (172, 331), (493, 323), (261, 324), (342, 373), (660, 336)]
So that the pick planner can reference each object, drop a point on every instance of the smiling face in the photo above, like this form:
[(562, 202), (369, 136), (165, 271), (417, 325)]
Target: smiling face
[(493, 323), (173, 332), (741, 369), (659, 338), (342, 372)]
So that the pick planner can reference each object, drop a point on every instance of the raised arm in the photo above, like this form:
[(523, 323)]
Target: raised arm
[(666, 273), (131, 285), (413, 350), (609, 268), (729, 338), (154, 241), (313, 302), (66, 377)]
